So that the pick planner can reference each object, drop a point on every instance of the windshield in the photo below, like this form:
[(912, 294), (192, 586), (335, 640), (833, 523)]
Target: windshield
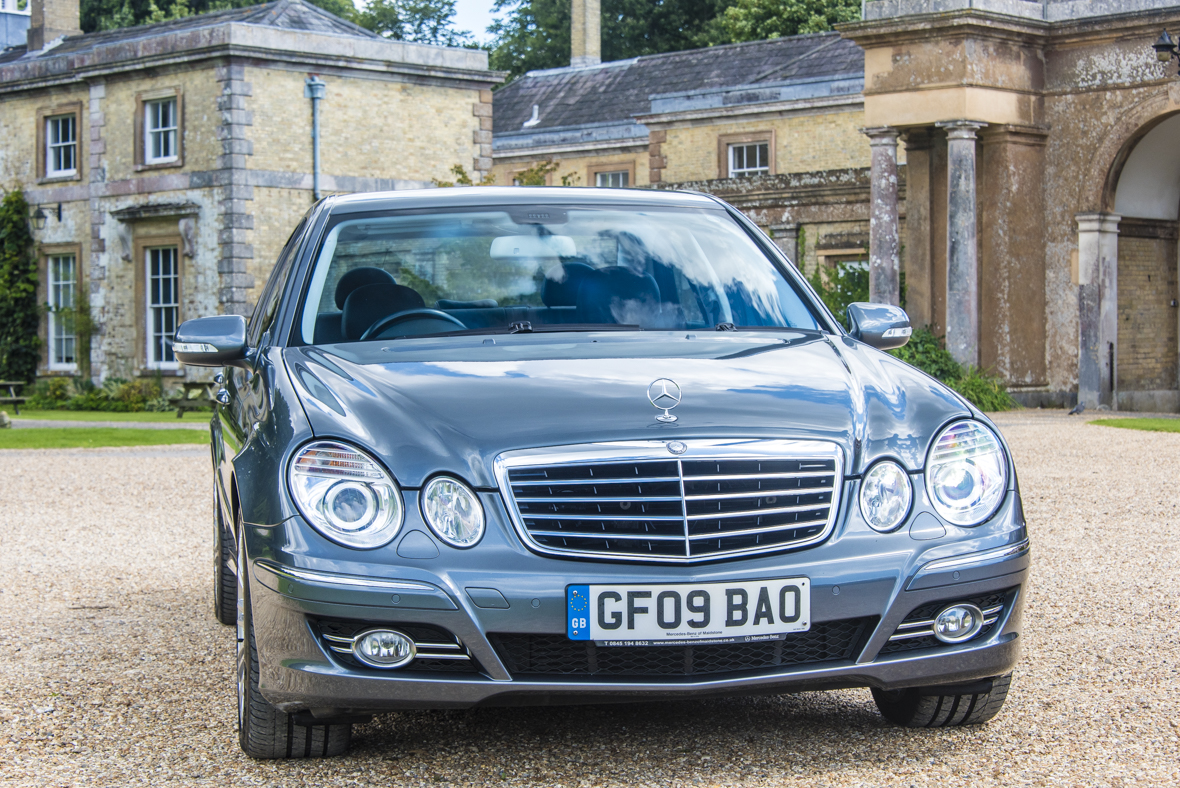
[(543, 268)]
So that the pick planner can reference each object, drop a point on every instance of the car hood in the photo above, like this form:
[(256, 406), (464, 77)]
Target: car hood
[(453, 404)]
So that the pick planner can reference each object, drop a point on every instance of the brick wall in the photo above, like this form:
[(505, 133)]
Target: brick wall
[(1148, 351)]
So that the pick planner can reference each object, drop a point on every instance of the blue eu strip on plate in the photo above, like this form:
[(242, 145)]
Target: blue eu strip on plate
[(577, 619)]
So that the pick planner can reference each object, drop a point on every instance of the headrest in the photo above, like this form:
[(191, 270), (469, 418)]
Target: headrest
[(369, 303), (565, 292), (358, 277), (618, 295)]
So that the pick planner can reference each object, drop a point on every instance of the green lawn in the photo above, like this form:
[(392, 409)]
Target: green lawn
[(90, 437), (1150, 425), (102, 415)]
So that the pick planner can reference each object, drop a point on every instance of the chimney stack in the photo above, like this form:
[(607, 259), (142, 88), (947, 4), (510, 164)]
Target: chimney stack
[(586, 33), (52, 19)]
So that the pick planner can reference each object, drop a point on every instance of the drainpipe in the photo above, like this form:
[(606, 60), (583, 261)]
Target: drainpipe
[(314, 89)]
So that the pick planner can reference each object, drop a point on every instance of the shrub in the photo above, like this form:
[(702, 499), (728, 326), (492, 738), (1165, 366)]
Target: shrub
[(115, 395), (19, 311)]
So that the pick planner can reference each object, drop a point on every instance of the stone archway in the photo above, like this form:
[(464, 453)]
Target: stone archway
[(1134, 168), (1147, 200)]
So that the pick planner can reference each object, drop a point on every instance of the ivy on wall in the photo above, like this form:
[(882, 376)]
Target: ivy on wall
[(19, 311)]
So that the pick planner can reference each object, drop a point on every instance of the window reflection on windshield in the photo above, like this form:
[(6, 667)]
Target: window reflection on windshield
[(543, 268)]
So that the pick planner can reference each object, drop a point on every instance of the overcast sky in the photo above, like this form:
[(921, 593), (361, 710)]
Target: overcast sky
[(471, 15)]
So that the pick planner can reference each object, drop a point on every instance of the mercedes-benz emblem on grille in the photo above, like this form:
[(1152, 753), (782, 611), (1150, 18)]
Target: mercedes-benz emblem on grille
[(665, 395), (677, 447)]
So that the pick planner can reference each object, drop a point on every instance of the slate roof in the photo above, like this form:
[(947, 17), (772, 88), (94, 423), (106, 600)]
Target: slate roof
[(283, 14), (613, 93)]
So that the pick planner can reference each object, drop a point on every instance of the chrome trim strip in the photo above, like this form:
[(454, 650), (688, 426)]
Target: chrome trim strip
[(454, 646), (420, 655), (757, 512), (342, 649), (749, 531), (748, 476), (987, 556), (593, 480), (758, 494), (329, 578), (640, 498), (656, 450), (605, 535), (660, 517), (336, 638)]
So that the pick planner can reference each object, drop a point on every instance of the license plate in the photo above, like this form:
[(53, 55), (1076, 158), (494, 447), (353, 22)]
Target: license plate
[(701, 613)]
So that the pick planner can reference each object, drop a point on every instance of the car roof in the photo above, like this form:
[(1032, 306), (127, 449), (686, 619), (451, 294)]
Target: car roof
[(515, 195)]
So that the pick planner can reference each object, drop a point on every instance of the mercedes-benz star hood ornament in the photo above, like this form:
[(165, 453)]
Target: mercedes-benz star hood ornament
[(665, 395)]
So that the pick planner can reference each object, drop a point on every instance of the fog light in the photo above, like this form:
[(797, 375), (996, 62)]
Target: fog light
[(384, 648), (958, 623)]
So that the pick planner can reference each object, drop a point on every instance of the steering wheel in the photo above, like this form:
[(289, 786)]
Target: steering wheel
[(410, 314)]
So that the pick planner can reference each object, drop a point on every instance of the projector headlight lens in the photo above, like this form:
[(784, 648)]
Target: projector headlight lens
[(885, 496), (966, 475), (452, 511), (345, 494)]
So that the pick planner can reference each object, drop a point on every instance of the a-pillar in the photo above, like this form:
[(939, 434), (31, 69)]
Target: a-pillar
[(884, 241), (1098, 299), (962, 243)]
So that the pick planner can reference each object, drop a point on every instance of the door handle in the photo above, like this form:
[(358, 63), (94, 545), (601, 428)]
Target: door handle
[(223, 396)]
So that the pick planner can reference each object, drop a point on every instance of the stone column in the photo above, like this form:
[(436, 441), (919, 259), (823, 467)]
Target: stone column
[(884, 243), (962, 247), (786, 237), (918, 261), (1098, 299)]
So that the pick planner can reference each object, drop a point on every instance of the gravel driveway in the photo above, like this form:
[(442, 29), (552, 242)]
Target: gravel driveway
[(113, 672)]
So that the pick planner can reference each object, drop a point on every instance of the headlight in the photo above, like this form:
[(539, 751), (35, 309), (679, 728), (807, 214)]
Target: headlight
[(885, 496), (346, 494), (966, 475), (452, 511)]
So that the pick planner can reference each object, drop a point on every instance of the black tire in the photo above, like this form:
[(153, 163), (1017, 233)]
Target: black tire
[(264, 732), (924, 708), (225, 582)]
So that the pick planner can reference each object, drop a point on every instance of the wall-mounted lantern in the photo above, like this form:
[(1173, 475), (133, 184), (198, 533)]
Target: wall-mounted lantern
[(1165, 48), (39, 218)]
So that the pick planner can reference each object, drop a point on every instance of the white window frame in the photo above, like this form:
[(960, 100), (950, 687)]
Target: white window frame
[(155, 129), (746, 147), (58, 146), (162, 303), (604, 178), (62, 296)]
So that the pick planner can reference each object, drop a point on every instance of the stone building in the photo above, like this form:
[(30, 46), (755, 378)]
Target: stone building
[(1017, 160), (1042, 187), (771, 126), (169, 163)]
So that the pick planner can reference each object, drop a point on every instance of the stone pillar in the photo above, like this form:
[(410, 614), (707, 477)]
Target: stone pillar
[(884, 240), (1098, 299), (1012, 254), (919, 284), (236, 193), (786, 237), (962, 246)]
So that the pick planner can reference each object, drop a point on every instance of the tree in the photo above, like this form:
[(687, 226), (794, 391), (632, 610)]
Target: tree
[(114, 14), (757, 20), (423, 21), (19, 311), (535, 34)]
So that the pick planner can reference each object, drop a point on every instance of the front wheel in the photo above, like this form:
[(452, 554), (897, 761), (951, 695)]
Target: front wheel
[(928, 708), (263, 730)]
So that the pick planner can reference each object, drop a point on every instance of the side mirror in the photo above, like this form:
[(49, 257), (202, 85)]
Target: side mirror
[(218, 341), (882, 326)]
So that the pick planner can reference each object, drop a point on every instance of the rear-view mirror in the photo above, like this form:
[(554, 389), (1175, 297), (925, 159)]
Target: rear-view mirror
[(217, 341), (883, 326)]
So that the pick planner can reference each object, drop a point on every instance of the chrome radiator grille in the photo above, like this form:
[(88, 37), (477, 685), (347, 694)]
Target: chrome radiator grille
[(640, 500)]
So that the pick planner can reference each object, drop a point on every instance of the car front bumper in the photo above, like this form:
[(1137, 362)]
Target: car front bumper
[(900, 573)]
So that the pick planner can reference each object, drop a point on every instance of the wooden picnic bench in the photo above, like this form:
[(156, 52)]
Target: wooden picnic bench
[(12, 399), (192, 396)]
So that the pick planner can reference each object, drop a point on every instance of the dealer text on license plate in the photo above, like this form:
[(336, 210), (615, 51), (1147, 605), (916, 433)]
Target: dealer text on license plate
[(632, 615)]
